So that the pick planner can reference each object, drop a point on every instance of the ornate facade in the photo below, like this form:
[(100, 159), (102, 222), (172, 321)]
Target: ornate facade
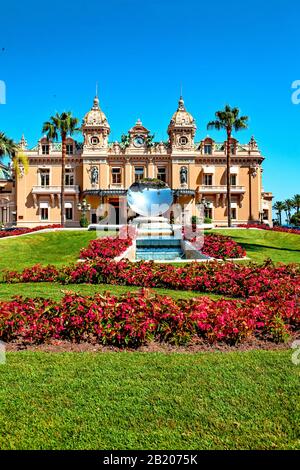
[(101, 172)]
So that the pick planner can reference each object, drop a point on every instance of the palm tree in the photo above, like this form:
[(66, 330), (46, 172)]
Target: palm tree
[(61, 124), (279, 207), (7, 146), (296, 203), (288, 206), (12, 150), (229, 120)]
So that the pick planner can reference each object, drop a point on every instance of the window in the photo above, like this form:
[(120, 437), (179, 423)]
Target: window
[(69, 211), (233, 180), (44, 211), (208, 149), (45, 177), (265, 214), (116, 175), (138, 173), (208, 180), (162, 174), (69, 149), (208, 213), (45, 149), (232, 149), (69, 177), (233, 213)]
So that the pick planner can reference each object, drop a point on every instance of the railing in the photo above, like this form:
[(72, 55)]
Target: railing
[(221, 189), (55, 189)]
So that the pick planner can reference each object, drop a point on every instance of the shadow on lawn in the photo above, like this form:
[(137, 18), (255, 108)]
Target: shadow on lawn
[(258, 247)]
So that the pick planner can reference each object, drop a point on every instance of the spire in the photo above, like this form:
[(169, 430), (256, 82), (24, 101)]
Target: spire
[(23, 143)]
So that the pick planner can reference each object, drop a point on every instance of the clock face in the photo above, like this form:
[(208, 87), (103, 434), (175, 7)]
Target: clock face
[(94, 140), (139, 141), (183, 140)]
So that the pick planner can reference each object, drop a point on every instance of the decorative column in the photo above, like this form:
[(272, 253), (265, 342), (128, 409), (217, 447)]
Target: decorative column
[(150, 168), (127, 173)]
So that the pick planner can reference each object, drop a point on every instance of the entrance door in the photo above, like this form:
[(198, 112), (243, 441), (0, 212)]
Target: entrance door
[(116, 206)]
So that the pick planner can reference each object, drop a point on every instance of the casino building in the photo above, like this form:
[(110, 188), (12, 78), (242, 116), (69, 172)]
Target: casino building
[(101, 172)]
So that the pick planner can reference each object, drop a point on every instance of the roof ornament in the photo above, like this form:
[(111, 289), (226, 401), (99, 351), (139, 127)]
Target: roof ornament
[(181, 106), (253, 144), (23, 143)]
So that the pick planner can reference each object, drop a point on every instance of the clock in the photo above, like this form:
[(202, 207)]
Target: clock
[(139, 141), (183, 140), (95, 140)]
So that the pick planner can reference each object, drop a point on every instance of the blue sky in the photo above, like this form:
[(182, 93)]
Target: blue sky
[(242, 53)]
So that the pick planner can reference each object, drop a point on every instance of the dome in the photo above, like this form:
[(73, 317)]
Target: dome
[(95, 117), (181, 117)]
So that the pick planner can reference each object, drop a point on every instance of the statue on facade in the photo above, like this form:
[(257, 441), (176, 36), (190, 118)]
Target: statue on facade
[(183, 175), (94, 175)]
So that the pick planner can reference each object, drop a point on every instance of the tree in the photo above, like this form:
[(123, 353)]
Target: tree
[(12, 150), (125, 141), (279, 207), (296, 203), (229, 120), (295, 219), (61, 124), (288, 206)]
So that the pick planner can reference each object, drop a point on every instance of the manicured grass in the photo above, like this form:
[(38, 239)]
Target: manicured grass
[(56, 291), (262, 244), (124, 400), (56, 248)]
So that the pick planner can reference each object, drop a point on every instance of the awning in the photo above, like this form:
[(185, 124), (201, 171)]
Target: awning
[(183, 191), (105, 192)]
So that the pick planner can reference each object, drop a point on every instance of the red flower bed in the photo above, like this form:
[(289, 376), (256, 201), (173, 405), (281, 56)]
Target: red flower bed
[(135, 319), (273, 229), (21, 231), (275, 284), (222, 247), (109, 247)]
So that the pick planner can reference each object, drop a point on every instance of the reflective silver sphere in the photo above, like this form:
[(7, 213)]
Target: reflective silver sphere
[(147, 199)]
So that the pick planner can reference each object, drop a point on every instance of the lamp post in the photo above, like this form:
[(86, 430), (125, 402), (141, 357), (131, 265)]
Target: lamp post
[(83, 207)]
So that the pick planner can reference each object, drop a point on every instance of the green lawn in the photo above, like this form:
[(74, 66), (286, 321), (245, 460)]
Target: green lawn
[(126, 400), (57, 248), (262, 244), (56, 291)]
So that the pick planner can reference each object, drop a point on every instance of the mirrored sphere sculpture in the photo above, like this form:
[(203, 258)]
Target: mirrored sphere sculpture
[(149, 198)]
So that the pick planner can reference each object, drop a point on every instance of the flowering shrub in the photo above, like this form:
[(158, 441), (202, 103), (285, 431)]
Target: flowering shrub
[(21, 231), (273, 229), (222, 247), (213, 244), (135, 319), (109, 247)]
